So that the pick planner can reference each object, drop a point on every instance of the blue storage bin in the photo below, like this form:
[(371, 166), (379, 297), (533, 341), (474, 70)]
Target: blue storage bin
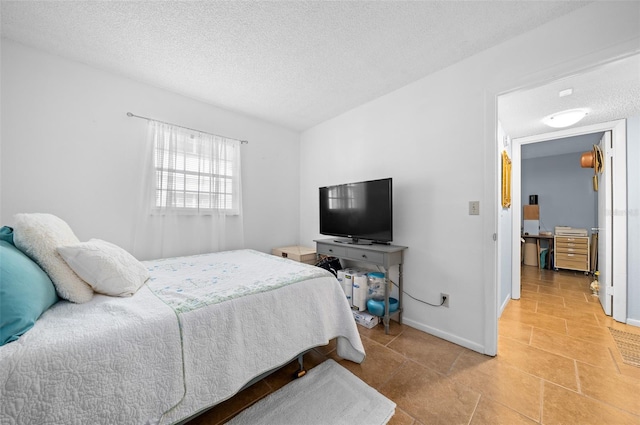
[(376, 307)]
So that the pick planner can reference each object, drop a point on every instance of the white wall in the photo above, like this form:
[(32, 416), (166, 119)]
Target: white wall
[(68, 148), (437, 139)]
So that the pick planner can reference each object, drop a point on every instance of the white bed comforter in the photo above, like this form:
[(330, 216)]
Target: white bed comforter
[(173, 348)]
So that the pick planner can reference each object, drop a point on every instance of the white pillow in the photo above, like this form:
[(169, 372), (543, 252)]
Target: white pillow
[(38, 236), (109, 269)]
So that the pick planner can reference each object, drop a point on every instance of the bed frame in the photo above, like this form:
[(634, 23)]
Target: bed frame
[(299, 374)]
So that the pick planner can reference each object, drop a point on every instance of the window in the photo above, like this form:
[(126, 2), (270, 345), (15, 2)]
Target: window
[(195, 173), (342, 198)]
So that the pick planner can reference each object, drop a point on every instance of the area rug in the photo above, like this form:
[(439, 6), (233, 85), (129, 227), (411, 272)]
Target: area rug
[(328, 394), (628, 345)]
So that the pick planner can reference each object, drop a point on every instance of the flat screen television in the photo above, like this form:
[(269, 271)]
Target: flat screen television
[(362, 211)]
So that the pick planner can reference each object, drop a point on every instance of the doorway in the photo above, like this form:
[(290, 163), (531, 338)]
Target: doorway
[(528, 109), (520, 113), (614, 222)]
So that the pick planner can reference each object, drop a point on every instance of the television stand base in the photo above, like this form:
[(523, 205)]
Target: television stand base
[(353, 241)]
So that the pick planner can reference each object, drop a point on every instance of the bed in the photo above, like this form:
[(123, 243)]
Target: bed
[(191, 337)]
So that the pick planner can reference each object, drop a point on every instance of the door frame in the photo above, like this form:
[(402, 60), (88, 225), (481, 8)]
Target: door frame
[(618, 130), (492, 280)]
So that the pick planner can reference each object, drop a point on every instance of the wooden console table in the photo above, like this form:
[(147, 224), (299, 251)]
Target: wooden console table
[(380, 255)]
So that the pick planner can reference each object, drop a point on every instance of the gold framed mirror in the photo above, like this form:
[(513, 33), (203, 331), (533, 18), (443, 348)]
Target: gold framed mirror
[(506, 180)]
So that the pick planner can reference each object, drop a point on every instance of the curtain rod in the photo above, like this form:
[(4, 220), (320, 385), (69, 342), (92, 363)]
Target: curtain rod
[(129, 114)]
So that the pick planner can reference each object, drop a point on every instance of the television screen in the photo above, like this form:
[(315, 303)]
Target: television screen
[(362, 210)]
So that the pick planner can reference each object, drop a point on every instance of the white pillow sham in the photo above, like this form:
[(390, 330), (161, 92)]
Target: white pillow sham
[(106, 267), (38, 236)]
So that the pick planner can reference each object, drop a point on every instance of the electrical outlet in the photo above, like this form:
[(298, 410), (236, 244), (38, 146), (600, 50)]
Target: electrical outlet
[(444, 300), (474, 207)]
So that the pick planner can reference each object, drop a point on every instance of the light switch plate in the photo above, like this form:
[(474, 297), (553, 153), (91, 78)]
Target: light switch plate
[(474, 207)]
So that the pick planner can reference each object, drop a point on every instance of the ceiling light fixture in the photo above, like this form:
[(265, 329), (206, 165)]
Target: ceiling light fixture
[(565, 118), (565, 92)]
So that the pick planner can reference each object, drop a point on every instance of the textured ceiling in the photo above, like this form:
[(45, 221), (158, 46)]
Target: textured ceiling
[(610, 92), (291, 63)]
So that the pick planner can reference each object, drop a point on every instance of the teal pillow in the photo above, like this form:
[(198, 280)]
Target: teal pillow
[(25, 292), (6, 234)]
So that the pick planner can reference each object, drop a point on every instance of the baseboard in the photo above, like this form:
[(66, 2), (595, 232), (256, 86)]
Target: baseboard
[(504, 305), (633, 322), (445, 335)]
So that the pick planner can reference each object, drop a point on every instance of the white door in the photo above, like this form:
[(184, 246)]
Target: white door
[(605, 224)]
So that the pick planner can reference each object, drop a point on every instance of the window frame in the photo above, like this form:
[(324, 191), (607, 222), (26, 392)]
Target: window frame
[(174, 176)]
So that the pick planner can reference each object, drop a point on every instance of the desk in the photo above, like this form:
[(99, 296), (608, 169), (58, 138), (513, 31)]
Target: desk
[(549, 239), (381, 255)]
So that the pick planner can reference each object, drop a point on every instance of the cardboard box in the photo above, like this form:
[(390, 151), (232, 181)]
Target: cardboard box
[(530, 253), (531, 212), (301, 254), (366, 319)]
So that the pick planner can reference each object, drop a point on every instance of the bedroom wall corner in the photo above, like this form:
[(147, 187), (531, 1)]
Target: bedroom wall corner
[(69, 149)]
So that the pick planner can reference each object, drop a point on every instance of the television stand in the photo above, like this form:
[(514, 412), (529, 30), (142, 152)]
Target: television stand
[(380, 255), (354, 241)]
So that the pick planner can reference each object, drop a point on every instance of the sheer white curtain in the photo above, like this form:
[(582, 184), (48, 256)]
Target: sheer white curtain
[(191, 198)]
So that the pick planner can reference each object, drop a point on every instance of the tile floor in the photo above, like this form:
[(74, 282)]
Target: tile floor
[(556, 364)]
